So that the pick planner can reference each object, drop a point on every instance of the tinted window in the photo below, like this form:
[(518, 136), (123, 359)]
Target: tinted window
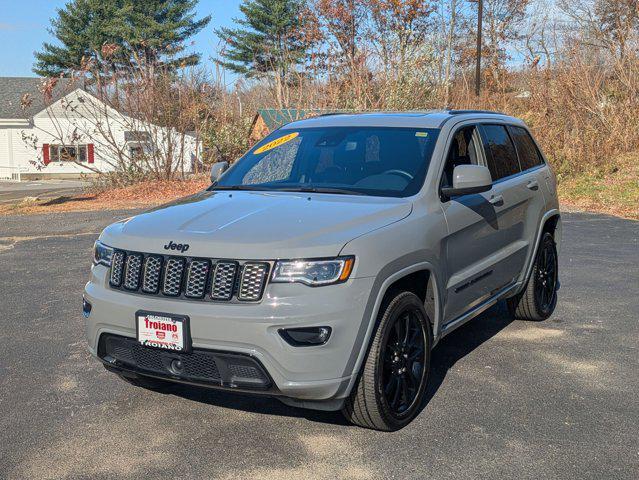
[(529, 156), (461, 152), (500, 151), (367, 160)]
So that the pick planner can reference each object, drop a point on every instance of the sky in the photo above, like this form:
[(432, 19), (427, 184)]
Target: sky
[(24, 24)]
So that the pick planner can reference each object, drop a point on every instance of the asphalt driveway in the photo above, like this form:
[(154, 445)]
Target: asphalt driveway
[(11, 192), (507, 399)]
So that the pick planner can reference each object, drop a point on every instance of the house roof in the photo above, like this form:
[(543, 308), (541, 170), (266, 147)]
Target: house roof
[(14, 89)]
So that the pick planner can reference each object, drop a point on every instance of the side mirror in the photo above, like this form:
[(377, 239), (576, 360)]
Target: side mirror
[(469, 179), (217, 169)]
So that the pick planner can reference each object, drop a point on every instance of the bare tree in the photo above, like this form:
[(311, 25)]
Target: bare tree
[(610, 25), (502, 21)]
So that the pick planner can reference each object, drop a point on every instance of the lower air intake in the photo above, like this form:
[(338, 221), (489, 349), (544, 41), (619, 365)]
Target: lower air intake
[(199, 366)]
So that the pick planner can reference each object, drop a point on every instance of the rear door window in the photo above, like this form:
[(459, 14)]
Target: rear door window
[(529, 156), (501, 155)]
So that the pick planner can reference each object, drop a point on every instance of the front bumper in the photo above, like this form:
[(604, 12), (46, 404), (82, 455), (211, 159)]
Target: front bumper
[(203, 367), (308, 374)]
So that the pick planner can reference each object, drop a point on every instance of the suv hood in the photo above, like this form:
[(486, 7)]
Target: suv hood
[(256, 225)]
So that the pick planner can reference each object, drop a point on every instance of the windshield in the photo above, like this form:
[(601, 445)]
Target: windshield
[(376, 161)]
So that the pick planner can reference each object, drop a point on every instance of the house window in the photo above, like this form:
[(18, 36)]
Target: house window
[(139, 151), (68, 153)]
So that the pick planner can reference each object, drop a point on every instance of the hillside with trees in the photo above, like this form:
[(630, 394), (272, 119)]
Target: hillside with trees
[(569, 68)]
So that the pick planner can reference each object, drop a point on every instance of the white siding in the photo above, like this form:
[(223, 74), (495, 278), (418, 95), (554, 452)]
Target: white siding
[(23, 157), (18, 148), (5, 150), (13, 152)]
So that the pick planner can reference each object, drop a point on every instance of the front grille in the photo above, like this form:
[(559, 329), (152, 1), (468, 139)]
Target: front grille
[(189, 278), (252, 281), (173, 277), (223, 281), (196, 278), (117, 264), (133, 266), (152, 272)]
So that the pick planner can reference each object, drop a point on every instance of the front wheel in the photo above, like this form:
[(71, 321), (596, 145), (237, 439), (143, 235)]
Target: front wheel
[(393, 379), (538, 301)]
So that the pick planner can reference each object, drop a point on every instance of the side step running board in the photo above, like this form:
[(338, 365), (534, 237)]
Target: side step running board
[(473, 312)]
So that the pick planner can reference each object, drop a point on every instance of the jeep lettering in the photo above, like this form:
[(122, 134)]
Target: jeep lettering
[(180, 247)]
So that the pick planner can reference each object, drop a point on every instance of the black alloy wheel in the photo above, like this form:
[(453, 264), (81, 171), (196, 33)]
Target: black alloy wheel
[(403, 363), (546, 278), (392, 381), (539, 299)]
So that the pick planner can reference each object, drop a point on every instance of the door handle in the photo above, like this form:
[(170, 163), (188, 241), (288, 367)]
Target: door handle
[(496, 200), (532, 185)]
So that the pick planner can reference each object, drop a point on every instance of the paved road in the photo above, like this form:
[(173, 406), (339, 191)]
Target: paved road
[(559, 399), (16, 191)]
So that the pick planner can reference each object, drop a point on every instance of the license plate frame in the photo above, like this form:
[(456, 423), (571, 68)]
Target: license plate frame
[(158, 344)]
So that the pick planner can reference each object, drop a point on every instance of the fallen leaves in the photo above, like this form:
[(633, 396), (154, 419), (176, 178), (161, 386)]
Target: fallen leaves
[(144, 194)]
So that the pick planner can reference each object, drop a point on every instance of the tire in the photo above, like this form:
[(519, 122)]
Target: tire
[(372, 403), (538, 300)]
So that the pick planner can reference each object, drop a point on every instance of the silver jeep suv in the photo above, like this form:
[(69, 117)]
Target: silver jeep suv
[(325, 264)]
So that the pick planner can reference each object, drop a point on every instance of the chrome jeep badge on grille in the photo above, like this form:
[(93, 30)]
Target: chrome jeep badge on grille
[(180, 247)]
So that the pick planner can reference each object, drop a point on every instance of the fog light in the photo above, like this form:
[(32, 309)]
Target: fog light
[(86, 308), (306, 336)]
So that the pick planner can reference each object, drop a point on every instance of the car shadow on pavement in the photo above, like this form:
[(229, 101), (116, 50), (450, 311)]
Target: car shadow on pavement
[(451, 349), (463, 341), (254, 404)]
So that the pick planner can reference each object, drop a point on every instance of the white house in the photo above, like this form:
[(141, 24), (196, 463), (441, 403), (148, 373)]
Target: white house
[(71, 133)]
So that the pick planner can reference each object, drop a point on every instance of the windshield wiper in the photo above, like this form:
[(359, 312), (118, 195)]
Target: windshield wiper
[(233, 187), (285, 189), (341, 191)]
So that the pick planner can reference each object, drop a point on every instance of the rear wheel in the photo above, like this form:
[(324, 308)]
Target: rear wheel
[(393, 379), (539, 299)]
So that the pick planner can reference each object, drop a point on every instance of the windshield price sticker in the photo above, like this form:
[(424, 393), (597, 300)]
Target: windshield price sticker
[(276, 143)]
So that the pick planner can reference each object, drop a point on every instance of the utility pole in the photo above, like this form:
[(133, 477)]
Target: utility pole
[(480, 12)]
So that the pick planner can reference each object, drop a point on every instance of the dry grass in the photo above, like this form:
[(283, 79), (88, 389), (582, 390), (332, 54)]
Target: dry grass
[(613, 190), (141, 195)]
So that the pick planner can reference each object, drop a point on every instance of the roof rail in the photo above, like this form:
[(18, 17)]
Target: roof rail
[(337, 112), (461, 112)]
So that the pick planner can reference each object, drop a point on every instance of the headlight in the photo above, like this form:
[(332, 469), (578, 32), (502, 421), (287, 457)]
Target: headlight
[(314, 272), (102, 254)]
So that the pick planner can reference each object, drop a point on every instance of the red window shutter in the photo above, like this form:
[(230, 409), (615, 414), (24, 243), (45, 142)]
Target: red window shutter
[(45, 154), (90, 153)]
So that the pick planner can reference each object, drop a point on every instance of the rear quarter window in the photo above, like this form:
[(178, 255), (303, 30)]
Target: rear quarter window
[(529, 156)]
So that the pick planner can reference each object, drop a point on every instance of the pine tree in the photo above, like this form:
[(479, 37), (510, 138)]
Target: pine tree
[(151, 30), (268, 42)]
